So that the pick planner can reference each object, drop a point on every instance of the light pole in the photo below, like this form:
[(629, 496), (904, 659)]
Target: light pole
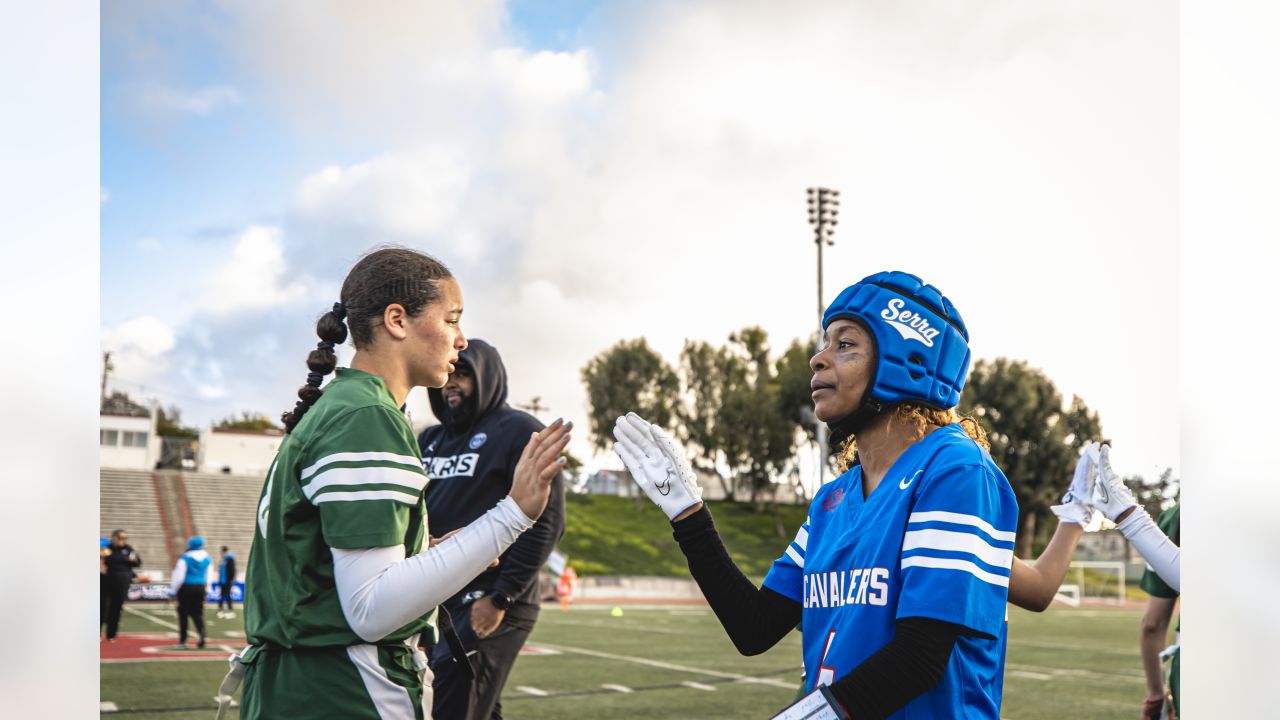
[(824, 205)]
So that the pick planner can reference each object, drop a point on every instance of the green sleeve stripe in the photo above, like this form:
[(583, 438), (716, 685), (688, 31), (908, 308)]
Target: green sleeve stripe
[(411, 479), (399, 496), (384, 457)]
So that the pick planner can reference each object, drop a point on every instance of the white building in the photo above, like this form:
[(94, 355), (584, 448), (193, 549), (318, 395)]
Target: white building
[(127, 438), (238, 452)]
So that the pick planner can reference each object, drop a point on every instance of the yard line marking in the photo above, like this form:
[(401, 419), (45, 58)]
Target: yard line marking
[(532, 691), (107, 706), (152, 618), (1030, 675), (697, 686), (1122, 676), (618, 688), (673, 666)]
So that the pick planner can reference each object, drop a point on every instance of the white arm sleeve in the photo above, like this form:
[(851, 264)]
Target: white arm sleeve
[(1155, 547), (179, 574), (381, 590)]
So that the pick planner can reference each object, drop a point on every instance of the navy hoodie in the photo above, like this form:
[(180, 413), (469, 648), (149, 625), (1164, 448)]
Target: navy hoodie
[(471, 459)]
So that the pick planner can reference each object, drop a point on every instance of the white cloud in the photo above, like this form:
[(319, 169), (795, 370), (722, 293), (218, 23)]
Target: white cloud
[(149, 243), (139, 348), (203, 101), (412, 194), (253, 278), (103, 196), (1021, 157)]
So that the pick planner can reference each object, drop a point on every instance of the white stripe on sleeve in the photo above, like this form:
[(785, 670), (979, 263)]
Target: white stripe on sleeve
[(795, 556), (954, 564), (802, 539), (396, 495), (959, 542), (962, 519), (414, 480), (358, 457)]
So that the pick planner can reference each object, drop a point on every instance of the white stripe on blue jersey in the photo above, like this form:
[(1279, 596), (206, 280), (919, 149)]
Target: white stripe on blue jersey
[(955, 564), (964, 542), (962, 519)]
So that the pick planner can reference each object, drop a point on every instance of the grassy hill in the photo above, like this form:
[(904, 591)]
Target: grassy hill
[(610, 536)]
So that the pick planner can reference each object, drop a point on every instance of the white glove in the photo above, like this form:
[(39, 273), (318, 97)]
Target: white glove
[(1110, 495), (1074, 508), (657, 464)]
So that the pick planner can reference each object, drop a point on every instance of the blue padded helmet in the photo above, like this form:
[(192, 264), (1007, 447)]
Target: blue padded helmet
[(195, 543), (922, 346)]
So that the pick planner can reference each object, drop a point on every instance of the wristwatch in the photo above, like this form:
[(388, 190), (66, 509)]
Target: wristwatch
[(500, 600)]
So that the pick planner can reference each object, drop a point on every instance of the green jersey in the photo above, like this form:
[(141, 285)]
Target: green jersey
[(348, 476), (1156, 587)]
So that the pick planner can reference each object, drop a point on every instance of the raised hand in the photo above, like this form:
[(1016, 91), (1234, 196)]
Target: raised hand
[(657, 464), (1110, 496), (1074, 507), (538, 464)]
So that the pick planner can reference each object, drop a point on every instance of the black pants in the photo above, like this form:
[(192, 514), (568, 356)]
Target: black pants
[(115, 588), (225, 597), (456, 698), (191, 605)]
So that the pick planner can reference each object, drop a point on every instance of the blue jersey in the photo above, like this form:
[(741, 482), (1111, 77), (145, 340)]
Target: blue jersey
[(934, 540), (197, 562)]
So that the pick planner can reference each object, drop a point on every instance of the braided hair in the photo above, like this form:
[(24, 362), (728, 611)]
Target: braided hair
[(387, 276)]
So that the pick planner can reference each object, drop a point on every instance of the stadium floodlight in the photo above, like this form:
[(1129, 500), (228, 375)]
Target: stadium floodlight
[(824, 206)]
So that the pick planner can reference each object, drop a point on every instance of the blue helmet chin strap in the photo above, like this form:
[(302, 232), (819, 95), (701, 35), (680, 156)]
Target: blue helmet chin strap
[(921, 346)]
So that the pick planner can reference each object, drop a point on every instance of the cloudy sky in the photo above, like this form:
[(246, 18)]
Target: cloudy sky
[(594, 171)]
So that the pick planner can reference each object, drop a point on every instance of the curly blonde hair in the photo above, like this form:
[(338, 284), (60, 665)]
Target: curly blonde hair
[(921, 418)]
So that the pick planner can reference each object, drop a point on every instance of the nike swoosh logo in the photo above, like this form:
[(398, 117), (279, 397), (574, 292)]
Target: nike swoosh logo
[(664, 487), (1106, 496), (905, 482)]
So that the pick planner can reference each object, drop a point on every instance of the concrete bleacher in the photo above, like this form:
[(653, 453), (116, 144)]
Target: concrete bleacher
[(224, 509), (127, 501)]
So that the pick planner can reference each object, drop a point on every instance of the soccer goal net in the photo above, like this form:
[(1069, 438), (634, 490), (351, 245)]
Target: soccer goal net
[(1093, 581)]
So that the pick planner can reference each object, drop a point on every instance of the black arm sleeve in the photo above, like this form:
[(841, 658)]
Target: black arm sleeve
[(755, 618), (522, 561), (912, 663)]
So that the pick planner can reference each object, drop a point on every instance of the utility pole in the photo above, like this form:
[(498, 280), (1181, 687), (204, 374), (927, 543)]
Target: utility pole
[(824, 205), (107, 367), (534, 406)]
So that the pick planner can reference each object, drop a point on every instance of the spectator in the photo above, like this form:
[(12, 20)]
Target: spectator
[(226, 580), (471, 460), (189, 585), (118, 562)]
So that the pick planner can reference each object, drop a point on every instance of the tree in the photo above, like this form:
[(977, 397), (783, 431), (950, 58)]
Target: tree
[(794, 393), (169, 424), (1034, 440), (248, 421), (758, 439), (628, 377), (705, 371)]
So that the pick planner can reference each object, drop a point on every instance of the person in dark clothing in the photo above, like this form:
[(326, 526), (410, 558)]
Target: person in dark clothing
[(226, 580), (119, 559), (470, 458)]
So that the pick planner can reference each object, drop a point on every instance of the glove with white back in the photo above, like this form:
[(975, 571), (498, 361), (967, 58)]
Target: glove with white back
[(1110, 496), (1074, 507), (657, 464)]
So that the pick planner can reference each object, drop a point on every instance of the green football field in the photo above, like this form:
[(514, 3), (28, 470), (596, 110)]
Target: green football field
[(675, 661)]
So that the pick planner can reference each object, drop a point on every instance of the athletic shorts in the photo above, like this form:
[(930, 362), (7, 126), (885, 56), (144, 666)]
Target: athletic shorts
[(373, 682)]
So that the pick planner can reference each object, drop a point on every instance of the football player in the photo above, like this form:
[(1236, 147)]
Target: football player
[(901, 571)]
